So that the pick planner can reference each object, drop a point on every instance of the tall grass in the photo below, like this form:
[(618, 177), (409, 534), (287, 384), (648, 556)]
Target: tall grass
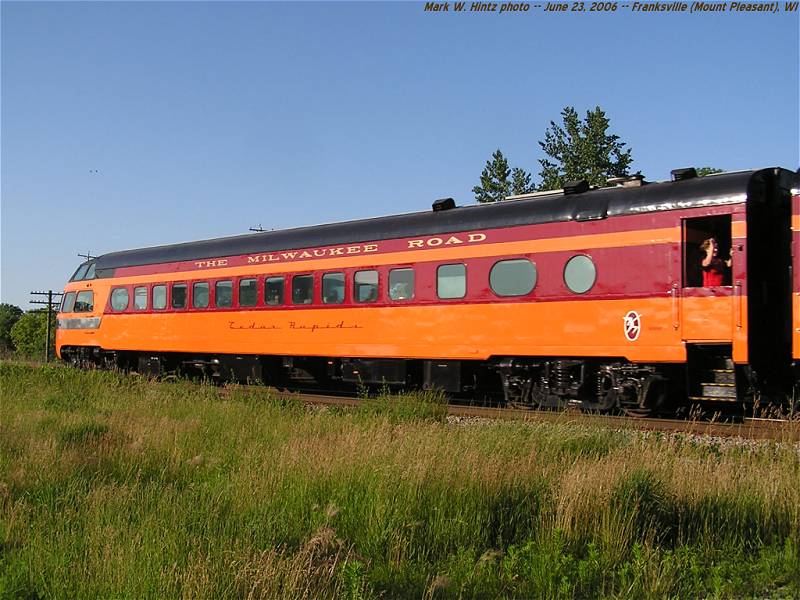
[(116, 486)]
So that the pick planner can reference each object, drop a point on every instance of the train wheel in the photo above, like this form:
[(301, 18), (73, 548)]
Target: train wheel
[(608, 397), (642, 399)]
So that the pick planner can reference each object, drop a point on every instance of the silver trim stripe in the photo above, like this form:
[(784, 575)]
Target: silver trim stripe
[(79, 323)]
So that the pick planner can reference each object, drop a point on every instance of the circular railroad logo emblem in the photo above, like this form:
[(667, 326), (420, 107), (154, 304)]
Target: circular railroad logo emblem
[(633, 325)]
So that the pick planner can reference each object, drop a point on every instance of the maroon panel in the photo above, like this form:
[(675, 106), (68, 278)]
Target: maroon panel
[(630, 272)]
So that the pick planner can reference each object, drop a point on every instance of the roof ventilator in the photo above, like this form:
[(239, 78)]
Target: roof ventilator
[(576, 187), (443, 204), (626, 181), (683, 174)]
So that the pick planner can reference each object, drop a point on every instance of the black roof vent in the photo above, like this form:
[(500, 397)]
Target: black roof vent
[(681, 174), (443, 204), (635, 180), (576, 187)]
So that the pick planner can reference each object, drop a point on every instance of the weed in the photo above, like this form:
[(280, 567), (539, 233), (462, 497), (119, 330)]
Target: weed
[(406, 407)]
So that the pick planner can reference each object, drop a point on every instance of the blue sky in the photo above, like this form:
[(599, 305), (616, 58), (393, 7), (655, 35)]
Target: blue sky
[(204, 119)]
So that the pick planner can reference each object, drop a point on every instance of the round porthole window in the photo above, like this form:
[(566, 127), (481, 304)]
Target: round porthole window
[(119, 299), (580, 274), (515, 277)]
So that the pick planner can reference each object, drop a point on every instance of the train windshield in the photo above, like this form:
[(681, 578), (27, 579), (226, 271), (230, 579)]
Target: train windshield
[(68, 304), (81, 272)]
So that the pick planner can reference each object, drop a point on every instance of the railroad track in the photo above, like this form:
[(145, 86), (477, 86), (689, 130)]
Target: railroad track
[(750, 428), (755, 429)]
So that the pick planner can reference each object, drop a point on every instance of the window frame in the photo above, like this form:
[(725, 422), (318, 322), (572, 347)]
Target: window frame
[(282, 301), (146, 298), (166, 296), (171, 299), (718, 226), (82, 268), (114, 290), (238, 291), (344, 287), (64, 302), (91, 295), (309, 275), (564, 273), (514, 259), (208, 301), (377, 285), (466, 280), (215, 304), (391, 270)]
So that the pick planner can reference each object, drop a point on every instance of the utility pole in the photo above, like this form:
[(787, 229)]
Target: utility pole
[(51, 305)]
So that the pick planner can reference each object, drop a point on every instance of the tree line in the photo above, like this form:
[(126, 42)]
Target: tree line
[(24, 332), (577, 148)]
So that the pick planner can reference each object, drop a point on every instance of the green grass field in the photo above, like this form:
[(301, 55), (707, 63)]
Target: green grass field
[(113, 486)]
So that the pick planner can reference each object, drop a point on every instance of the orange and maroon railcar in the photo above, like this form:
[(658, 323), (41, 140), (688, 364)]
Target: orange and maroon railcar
[(583, 297)]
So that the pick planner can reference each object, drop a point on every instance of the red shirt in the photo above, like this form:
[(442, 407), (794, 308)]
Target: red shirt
[(714, 273)]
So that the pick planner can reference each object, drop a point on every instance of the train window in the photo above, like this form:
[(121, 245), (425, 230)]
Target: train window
[(333, 288), (223, 294), (79, 274), (707, 251), (302, 289), (140, 298), (580, 273), (401, 284), (200, 294), (84, 301), (451, 281), (179, 295), (119, 298), (273, 291), (159, 297), (515, 277), (248, 292), (89, 272), (68, 304), (365, 286)]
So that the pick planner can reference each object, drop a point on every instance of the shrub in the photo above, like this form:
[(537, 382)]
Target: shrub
[(28, 333)]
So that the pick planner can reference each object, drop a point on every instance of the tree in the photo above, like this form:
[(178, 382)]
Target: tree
[(582, 149), (29, 332), (9, 314), (521, 182), (703, 171), (495, 184)]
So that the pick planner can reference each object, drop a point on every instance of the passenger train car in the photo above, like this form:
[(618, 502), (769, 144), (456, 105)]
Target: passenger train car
[(586, 297)]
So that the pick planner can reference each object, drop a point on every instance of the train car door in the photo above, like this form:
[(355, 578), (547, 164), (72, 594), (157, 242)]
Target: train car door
[(708, 290), (769, 273)]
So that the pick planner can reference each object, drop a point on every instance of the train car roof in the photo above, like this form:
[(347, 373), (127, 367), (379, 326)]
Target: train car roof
[(724, 188)]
